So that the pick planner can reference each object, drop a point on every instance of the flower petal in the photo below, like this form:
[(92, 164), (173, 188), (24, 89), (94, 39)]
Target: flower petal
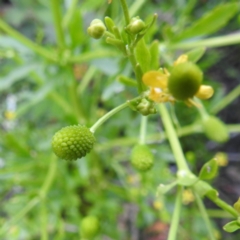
[(204, 92), (181, 59), (155, 79)]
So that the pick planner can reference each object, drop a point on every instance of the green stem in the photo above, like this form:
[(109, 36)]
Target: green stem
[(19, 215), (173, 139), (33, 46), (211, 42), (44, 221), (220, 203), (142, 137), (57, 18), (49, 178), (107, 116), (89, 56), (125, 11), (204, 215), (172, 235), (70, 12), (137, 70), (229, 98)]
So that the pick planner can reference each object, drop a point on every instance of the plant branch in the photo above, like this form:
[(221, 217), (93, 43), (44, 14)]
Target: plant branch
[(57, 18), (176, 215), (173, 139), (27, 42), (107, 116)]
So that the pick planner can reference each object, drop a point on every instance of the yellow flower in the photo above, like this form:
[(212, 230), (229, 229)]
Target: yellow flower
[(157, 81), (187, 196)]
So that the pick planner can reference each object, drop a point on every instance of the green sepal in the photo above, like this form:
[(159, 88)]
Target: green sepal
[(231, 226), (143, 105), (236, 205), (209, 170), (143, 55), (195, 54), (154, 52)]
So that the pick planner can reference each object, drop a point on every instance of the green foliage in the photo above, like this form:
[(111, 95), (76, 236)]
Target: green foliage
[(53, 74)]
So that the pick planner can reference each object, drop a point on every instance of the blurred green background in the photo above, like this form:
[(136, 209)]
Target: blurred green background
[(54, 81)]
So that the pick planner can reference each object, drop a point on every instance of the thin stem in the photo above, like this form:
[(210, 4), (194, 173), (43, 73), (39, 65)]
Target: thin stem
[(224, 206), (210, 42), (176, 215), (70, 12), (44, 221), (224, 102), (125, 11), (57, 17), (19, 215), (49, 178), (107, 116), (173, 139), (88, 56), (33, 46), (142, 137), (204, 215)]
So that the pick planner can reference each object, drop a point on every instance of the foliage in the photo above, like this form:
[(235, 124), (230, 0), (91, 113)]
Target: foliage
[(53, 74)]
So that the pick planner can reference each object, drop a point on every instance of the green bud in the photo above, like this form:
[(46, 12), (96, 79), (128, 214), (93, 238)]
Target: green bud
[(215, 129), (185, 80), (136, 25), (146, 107), (73, 142), (142, 157), (89, 227), (96, 29)]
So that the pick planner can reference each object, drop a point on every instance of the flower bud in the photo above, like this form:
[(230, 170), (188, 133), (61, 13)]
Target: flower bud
[(146, 107), (215, 129), (185, 80), (96, 29), (141, 157), (136, 25), (73, 142)]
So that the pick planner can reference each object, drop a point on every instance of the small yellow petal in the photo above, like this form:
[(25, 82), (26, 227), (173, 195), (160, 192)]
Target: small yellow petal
[(155, 79), (182, 59), (10, 115), (204, 92)]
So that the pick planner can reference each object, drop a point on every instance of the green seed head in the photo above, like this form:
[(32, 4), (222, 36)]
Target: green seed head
[(185, 80), (142, 158), (96, 29), (73, 142), (89, 227), (215, 129)]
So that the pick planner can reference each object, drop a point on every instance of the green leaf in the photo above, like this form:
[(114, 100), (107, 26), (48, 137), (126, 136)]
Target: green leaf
[(209, 170), (237, 205), (127, 81), (154, 52), (143, 55), (231, 226), (203, 188), (195, 54), (210, 22), (16, 75)]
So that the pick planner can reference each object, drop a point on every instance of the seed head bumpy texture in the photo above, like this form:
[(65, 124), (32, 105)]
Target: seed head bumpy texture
[(73, 142), (185, 80), (142, 158), (215, 129)]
